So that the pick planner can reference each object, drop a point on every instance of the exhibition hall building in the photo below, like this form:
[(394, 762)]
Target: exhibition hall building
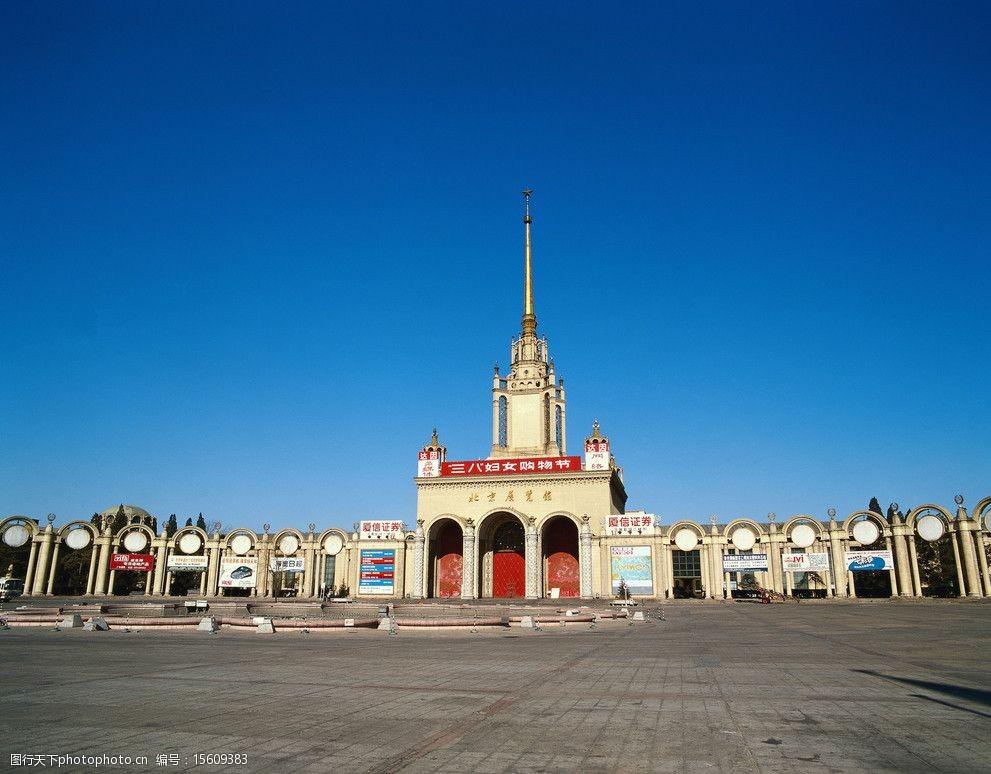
[(529, 520)]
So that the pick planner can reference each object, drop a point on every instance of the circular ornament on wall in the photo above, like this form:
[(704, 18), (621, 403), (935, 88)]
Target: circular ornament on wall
[(16, 536), (240, 544), (987, 520), (686, 539), (866, 532), (135, 541), (77, 538), (332, 545), (289, 544), (743, 539), (930, 527), (803, 535), (190, 543)]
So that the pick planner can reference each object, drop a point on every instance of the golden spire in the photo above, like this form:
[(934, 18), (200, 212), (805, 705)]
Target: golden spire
[(529, 318)]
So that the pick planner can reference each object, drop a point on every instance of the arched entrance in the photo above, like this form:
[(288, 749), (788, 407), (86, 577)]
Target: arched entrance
[(446, 560), (508, 560), (561, 569)]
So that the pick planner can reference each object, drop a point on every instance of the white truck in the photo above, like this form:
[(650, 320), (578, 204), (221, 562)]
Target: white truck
[(10, 588)]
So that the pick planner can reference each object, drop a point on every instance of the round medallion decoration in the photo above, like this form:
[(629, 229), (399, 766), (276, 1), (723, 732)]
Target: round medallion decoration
[(289, 544), (240, 544), (686, 539), (190, 543), (77, 538), (743, 539), (987, 520), (930, 527), (333, 544), (16, 536), (866, 532), (135, 541), (803, 535)]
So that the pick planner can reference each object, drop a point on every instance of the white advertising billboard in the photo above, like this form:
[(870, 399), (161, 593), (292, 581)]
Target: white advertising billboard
[(241, 573), (805, 562)]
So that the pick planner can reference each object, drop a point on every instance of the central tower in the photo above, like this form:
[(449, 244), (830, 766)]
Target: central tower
[(528, 418)]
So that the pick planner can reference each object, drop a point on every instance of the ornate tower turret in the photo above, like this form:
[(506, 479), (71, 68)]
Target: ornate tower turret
[(430, 458), (528, 406)]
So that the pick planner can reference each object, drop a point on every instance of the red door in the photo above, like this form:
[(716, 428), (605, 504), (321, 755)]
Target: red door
[(508, 562), (561, 550), (449, 561)]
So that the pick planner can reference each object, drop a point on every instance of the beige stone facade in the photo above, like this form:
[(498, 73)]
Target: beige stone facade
[(529, 521)]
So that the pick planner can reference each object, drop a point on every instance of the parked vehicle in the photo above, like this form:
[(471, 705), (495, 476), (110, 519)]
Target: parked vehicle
[(10, 588)]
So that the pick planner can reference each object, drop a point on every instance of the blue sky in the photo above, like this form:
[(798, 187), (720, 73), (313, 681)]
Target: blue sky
[(250, 255)]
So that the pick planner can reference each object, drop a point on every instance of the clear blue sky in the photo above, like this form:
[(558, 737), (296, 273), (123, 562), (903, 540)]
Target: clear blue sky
[(251, 254)]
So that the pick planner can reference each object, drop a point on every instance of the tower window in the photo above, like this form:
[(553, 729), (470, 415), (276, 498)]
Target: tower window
[(559, 430), (503, 416), (547, 418)]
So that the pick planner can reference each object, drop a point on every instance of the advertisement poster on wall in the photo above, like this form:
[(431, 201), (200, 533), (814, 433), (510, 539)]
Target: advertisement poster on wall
[(805, 562), (377, 573), (239, 573), (744, 562), (858, 561), (381, 529), (285, 564), (179, 563), (632, 565), (142, 562)]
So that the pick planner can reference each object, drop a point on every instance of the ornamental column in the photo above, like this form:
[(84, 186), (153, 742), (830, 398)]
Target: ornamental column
[(51, 572), (91, 575), (29, 575), (777, 539), (967, 548), (419, 541), (585, 557), (957, 562), (532, 560), (982, 558), (469, 562), (893, 572), (41, 568), (914, 558), (101, 568), (213, 566), (836, 554), (114, 548), (899, 531), (159, 544)]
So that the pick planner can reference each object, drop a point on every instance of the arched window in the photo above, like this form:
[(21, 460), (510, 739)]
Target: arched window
[(559, 429), (547, 418), (503, 417)]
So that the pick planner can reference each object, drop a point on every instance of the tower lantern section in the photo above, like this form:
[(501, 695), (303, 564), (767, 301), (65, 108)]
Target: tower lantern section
[(528, 404)]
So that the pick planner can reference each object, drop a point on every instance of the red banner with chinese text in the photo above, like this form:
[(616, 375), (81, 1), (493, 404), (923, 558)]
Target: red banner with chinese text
[(143, 562), (529, 465)]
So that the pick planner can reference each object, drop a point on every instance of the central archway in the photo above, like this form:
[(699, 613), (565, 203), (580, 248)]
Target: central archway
[(447, 562), (561, 557), (508, 560)]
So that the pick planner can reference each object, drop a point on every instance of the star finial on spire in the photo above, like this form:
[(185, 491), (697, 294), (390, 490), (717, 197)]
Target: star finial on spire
[(526, 197)]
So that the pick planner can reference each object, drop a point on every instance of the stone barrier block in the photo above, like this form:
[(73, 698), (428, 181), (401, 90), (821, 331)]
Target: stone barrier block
[(97, 624), (74, 621), (266, 627), (208, 624)]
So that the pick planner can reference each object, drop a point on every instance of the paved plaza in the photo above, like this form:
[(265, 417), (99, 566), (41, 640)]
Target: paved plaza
[(716, 686)]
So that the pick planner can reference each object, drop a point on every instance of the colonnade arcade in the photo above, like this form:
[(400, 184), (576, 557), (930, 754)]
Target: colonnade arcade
[(191, 552), (930, 551)]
